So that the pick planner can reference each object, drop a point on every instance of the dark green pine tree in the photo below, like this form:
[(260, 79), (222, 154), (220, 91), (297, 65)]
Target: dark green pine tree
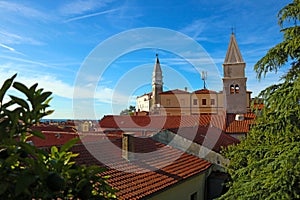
[(266, 165)]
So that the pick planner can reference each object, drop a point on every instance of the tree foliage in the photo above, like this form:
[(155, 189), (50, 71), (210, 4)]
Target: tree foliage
[(266, 164), (128, 111), (27, 172)]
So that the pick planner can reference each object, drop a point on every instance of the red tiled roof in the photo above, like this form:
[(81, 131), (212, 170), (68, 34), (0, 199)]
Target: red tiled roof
[(243, 126), (153, 122), (210, 137), (204, 91), (160, 122), (55, 128), (258, 106), (176, 91), (164, 167), (146, 94), (52, 139)]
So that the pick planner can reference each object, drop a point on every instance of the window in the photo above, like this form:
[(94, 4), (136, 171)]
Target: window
[(231, 89), (203, 101), (234, 89), (194, 196), (237, 89), (212, 102), (195, 102)]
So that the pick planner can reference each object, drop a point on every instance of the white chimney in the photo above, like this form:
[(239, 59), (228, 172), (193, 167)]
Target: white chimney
[(239, 117), (128, 146)]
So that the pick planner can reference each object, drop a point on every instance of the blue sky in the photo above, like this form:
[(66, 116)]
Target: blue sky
[(50, 42)]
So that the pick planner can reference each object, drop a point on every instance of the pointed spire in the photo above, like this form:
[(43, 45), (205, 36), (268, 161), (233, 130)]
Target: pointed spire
[(157, 83), (157, 72), (233, 54), (157, 67)]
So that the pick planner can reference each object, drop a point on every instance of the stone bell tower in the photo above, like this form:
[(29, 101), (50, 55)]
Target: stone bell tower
[(234, 81), (157, 83)]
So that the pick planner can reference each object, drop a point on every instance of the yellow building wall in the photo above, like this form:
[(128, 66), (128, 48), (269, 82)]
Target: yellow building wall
[(183, 104), (175, 104), (183, 191), (208, 108)]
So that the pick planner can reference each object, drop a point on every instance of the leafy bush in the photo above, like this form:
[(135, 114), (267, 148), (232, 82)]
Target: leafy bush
[(27, 172)]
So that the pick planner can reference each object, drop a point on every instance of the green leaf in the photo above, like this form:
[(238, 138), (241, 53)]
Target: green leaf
[(33, 88), (6, 85), (43, 97), (54, 150), (20, 101), (69, 144), (21, 87), (38, 134)]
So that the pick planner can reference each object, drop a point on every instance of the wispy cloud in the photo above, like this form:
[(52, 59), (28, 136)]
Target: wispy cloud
[(10, 49), (20, 9), (50, 82), (82, 6), (90, 15), (12, 38), (7, 47), (195, 29)]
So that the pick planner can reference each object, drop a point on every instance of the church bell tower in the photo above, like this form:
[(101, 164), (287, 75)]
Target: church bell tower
[(234, 81), (157, 83)]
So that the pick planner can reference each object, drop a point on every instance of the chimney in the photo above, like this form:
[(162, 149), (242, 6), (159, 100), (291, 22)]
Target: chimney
[(128, 146), (239, 117)]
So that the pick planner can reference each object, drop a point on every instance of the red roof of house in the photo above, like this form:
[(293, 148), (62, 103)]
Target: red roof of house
[(155, 122), (204, 91), (176, 91), (210, 137), (146, 94), (258, 106), (155, 168), (54, 128), (243, 126), (52, 139)]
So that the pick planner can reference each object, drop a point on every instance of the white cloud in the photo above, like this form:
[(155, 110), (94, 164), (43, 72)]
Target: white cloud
[(82, 6), (7, 47), (90, 15), (65, 90), (194, 29), (20, 9), (11, 38)]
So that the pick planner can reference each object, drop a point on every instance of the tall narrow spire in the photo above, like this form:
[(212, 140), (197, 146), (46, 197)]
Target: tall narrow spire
[(157, 73), (233, 54), (157, 82)]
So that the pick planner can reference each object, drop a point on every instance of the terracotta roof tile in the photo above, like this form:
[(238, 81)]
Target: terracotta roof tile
[(243, 126), (55, 128), (164, 167), (176, 91), (52, 139), (156, 123), (204, 91), (210, 137), (151, 122)]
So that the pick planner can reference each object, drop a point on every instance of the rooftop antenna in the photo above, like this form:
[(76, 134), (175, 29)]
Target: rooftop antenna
[(204, 77)]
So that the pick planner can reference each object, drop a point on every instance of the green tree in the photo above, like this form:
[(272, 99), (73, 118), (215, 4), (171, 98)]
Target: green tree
[(266, 164), (128, 111), (27, 172)]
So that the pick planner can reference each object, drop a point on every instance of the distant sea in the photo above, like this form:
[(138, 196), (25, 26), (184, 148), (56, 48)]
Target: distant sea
[(54, 120)]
